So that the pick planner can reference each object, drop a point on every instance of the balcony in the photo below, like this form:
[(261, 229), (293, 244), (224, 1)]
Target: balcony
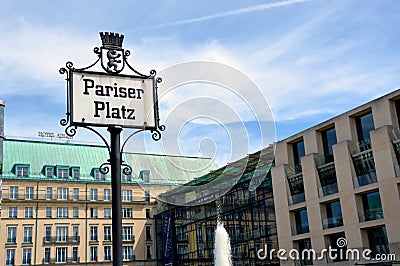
[(298, 198), (53, 261), (328, 190), (332, 222), (371, 214), (130, 240), (11, 240), (51, 240), (302, 229), (364, 167)]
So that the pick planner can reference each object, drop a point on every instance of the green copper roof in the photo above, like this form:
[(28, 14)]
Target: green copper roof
[(36, 154)]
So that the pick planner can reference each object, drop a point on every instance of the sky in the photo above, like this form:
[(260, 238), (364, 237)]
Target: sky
[(305, 60)]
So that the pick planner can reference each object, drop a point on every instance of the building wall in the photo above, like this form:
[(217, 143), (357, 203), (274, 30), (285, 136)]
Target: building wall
[(80, 202), (379, 168), (84, 221)]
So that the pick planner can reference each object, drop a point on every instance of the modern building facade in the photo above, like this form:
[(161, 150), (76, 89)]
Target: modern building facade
[(341, 179), (56, 204), (185, 234), (335, 185)]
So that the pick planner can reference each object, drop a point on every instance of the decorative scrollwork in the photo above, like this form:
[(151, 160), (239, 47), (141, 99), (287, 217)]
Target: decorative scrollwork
[(70, 131), (161, 127), (127, 53), (158, 80), (69, 65), (104, 169), (63, 70), (65, 121), (153, 73), (156, 135), (127, 169), (96, 50)]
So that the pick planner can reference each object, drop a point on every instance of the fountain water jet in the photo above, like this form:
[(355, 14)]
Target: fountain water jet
[(222, 246)]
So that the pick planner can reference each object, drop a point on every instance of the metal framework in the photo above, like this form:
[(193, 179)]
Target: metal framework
[(112, 51)]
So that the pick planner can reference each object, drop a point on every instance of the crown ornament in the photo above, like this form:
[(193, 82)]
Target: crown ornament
[(111, 40)]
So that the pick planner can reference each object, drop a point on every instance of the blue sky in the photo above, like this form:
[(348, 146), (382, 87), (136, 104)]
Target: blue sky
[(311, 60)]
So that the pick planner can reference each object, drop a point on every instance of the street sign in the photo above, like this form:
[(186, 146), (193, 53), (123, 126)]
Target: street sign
[(105, 99)]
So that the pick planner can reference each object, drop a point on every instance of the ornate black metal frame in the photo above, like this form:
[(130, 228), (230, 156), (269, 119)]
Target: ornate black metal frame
[(71, 127)]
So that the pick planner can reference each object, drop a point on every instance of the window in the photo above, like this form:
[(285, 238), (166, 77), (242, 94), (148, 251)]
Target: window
[(301, 220), (377, 240), (372, 206), (47, 236), (29, 193), (93, 253), (62, 193), (75, 212), (28, 234), (62, 212), (145, 176), (62, 172), (107, 233), (75, 233), (13, 192), (26, 256), (127, 253), (49, 211), (49, 193), (76, 193), (93, 213), (93, 194), (148, 232), (62, 233), (49, 172), (61, 255), (147, 196), (46, 259), (298, 152), (11, 235), (98, 175), (148, 252), (148, 213), (75, 172), (126, 195), (107, 253), (127, 233), (75, 254), (22, 171), (28, 212), (125, 178), (12, 212), (107, 212), (93, 233), (364, 124), (10, 256), (107, 194), (328, 140), (126, 212), (333, 214), (302, 245)]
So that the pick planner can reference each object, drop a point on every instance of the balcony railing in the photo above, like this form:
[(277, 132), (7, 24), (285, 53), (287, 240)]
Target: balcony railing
[(302, 229), (364, 166), (11, 240), (67, 260), (298, 198), (332, 222), (328, 190), (20, 196), (372, 214), (61, 240), (129, 240)]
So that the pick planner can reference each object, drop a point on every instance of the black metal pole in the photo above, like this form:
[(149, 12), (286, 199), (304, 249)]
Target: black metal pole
[(115, 161)]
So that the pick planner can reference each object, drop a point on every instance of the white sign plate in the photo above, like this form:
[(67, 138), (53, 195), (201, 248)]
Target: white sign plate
[(100, 99)]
